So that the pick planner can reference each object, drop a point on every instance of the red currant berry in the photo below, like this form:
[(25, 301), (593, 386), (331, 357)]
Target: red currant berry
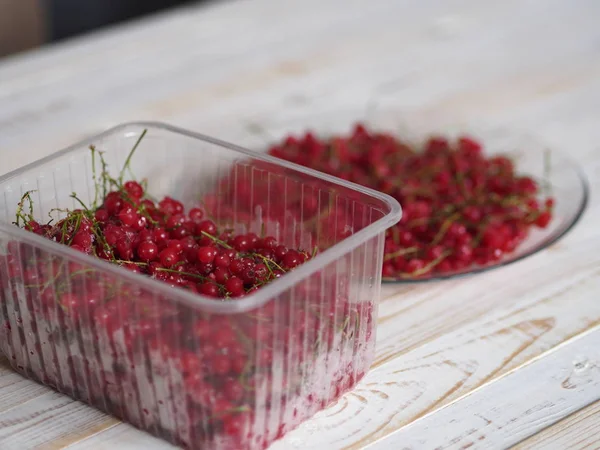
[(206, 255), (291, 259), (147, 251), (222, 260), (543, 219), (134, 189), (235, 286), (206, 226), (128, 216), (196, 215), (169, 257), (209, 289)]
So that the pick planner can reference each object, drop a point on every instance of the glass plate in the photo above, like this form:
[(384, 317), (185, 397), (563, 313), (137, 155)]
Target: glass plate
[(555, 172)]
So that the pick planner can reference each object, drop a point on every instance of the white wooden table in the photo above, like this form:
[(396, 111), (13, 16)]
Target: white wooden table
[(504, 358)]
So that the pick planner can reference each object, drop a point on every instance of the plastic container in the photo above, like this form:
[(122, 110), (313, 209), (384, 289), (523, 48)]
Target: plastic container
[(199, 372)]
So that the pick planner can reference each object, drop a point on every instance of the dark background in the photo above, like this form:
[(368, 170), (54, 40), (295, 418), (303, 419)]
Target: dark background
[(28, 24), (69, 18)]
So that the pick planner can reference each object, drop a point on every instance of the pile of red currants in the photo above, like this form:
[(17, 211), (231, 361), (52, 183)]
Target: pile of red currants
[(461, 209)]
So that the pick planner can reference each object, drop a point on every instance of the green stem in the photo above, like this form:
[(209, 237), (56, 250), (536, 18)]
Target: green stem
[(94, 177), (128, 160), (268, 261), (401, 252), (122, 261), (444, 228), (187, 274), (426, 268), (21, 205), (78, 200), (216, 240)]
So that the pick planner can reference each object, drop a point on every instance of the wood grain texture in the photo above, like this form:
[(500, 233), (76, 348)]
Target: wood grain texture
[(441, 347), (497, 416), (580, 430)]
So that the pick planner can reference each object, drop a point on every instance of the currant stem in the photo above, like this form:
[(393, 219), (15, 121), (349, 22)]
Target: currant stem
[(401, 252), (444, 228), (187, 274), (21, 205), (216, 240), (426, 268), (126, 166)]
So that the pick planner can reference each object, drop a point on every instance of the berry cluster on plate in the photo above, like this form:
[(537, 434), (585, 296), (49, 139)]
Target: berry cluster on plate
[(460, 208)]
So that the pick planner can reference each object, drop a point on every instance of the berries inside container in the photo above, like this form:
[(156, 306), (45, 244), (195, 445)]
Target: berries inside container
[(163, 240), (193, 293), (463, 210)]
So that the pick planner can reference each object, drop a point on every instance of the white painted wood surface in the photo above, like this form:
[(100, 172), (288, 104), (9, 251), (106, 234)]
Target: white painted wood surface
[(580, 430), (498, 415), (446, 351)]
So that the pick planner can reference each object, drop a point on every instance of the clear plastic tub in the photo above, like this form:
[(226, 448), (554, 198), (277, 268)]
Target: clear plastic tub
[(199, 372)]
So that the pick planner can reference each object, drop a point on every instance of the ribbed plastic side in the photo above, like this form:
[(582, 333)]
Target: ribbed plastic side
[(196, 378)]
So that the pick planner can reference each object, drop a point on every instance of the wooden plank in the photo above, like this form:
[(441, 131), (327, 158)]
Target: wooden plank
[(49, 421), (125, 437), (580, 430), (498, 416), (16, 390)]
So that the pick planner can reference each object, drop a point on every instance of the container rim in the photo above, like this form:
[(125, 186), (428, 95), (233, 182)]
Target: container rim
[(249, 302)]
